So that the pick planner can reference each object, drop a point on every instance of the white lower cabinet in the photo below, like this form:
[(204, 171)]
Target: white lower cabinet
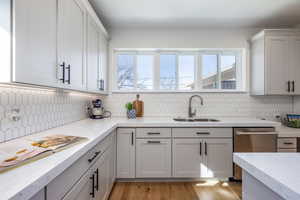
[(202, 158), (187, 158), (153, 158), (90, 177), (217, 158), (126, 153), (82, 190)]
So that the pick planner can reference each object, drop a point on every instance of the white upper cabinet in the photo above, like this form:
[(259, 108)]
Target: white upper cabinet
[(52, 47), (34, 60), (93, 54), (275, 63), (71, 42)]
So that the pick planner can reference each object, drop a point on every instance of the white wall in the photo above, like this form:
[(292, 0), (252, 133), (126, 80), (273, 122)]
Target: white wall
[(222, 104)]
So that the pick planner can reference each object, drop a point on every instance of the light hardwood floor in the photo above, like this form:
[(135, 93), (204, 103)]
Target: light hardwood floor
[(204, 190)]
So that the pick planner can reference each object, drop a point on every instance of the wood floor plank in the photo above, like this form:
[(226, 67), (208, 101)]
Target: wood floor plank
[(202, 190)]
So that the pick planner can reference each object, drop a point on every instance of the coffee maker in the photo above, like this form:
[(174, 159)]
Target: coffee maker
[(97, 111)]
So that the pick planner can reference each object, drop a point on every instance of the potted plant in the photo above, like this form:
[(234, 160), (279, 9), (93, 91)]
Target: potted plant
[(131, 114)]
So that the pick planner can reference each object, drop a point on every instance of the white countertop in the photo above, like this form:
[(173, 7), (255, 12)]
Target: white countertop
[(284, 131), (278, 171), (23, 182)]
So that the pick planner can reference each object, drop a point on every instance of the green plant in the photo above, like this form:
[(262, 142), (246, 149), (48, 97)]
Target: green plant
[(129, 106)]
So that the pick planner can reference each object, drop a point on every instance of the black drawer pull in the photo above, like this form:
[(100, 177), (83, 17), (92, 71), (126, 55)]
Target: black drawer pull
[(203, 133), (205, 148), (288, 143), (153, 142), (95, 155), (153, 133)]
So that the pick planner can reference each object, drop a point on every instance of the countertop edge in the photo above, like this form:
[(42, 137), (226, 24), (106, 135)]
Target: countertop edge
[(274, 185)]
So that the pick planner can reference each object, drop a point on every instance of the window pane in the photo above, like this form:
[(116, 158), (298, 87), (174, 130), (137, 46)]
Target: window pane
[(228, 72), (167, 72), (145, 71), (186, 72), (125, 64), (209, 71)]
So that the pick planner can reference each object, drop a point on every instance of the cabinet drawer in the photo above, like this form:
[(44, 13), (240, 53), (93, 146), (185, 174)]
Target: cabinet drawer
[(202, 132), (286, 150), (153, 132), (287, 143), (57, 188), (153, 158)]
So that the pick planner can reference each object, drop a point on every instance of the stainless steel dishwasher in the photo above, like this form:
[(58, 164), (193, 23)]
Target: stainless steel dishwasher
[(253, 140)]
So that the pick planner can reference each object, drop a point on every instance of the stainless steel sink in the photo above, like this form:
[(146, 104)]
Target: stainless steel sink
[(179, 119)]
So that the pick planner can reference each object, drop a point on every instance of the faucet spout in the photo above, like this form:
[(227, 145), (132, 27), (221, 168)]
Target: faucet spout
[(193, 113)]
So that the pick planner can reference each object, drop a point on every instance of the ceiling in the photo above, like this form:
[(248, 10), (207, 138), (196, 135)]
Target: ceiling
[(198, 13)]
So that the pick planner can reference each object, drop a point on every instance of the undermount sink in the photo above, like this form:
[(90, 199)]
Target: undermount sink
[(179, 119)]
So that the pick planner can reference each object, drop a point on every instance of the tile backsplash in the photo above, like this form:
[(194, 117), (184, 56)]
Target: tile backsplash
[(38, 110), (215, 105)]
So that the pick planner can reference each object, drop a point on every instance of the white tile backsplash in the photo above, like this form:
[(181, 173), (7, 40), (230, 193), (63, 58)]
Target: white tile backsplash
[(39, 110), (215, 104)]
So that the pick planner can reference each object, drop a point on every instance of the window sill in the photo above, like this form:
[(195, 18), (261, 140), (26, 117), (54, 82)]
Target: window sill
[(177, 91)]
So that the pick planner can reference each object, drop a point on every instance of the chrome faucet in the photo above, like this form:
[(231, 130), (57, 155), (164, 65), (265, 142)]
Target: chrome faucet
[(193, 113)]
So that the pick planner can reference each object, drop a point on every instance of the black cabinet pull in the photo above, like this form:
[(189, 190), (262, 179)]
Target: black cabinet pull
[(203, 133), (200, 148), (153, 142), (97, 179), (132, 138), (205, 148), (293, 86), (95, 155), (69, 74), (153, 133), (63, 65), (289, 86), (93, 186), (288, 143)]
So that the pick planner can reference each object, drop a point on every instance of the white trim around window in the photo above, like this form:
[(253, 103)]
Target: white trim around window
[(240, 67)]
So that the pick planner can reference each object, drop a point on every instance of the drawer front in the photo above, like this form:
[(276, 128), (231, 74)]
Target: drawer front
[(153, 132), (58, 188), (287, 143), (287, 150), (202, 132)]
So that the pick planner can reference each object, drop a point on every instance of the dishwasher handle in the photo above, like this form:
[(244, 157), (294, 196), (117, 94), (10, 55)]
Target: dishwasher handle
[(256, 133)]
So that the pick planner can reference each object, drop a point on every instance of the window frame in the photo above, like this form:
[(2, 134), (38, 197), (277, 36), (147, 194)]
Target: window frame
[(239, 53)]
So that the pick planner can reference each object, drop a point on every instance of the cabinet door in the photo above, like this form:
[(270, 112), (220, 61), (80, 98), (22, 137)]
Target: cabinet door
[(187, 158), (35, 42), (83, 189), (71, 41), (153, 158), (101, 177), (277, 63), (112, 162), (217, 158), (295, 64), (103, 60), (93, 62), (126, 153)]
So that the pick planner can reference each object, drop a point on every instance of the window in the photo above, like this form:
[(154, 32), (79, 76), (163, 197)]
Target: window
[(198, 70)]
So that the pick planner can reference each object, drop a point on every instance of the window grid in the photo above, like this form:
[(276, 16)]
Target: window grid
[(198, 69)]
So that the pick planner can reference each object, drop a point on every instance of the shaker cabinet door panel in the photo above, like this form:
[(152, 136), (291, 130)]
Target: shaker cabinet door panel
[(277, 62), (295, 64), (93, 62), (35, 59), (217, 158), (71, 42), (126, 153), (153, 158), (187, 158)]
